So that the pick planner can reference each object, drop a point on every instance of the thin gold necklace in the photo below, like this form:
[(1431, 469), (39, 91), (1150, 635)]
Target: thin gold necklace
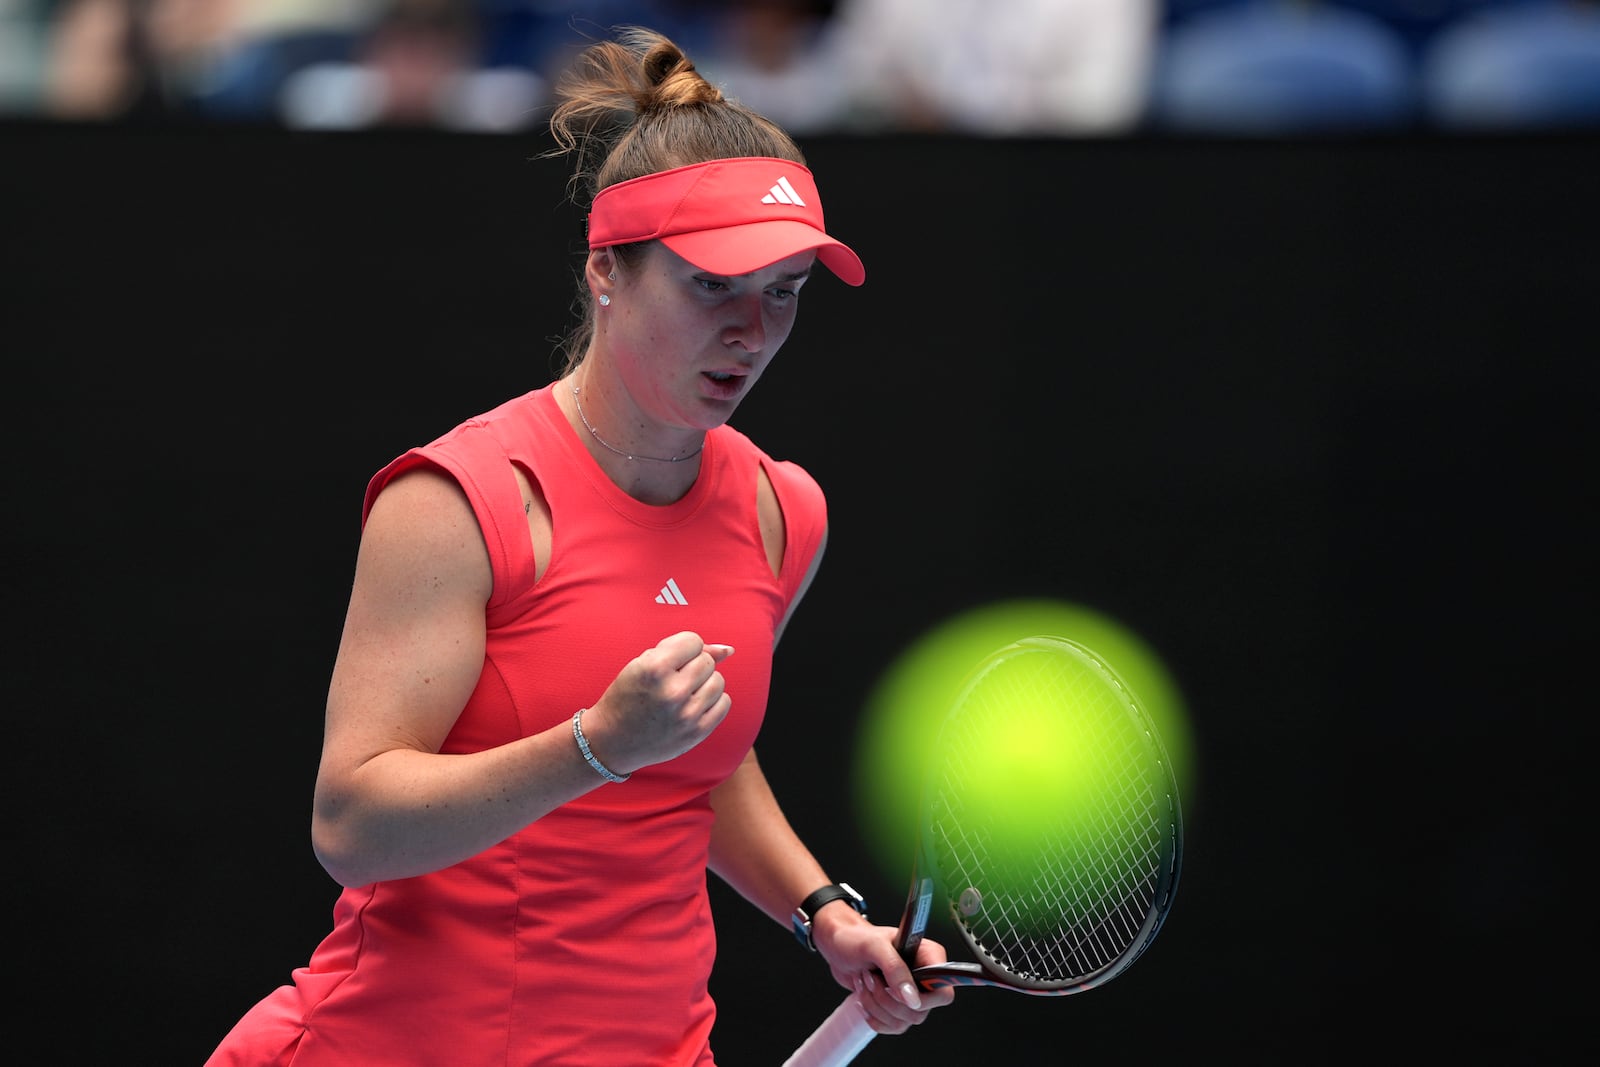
[(608, 446)]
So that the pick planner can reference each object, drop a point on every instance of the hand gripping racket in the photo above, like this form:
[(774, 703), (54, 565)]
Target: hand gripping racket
[(1050, 834)]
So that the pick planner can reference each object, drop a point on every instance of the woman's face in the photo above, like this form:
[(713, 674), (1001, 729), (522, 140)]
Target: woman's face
[(690, 344)]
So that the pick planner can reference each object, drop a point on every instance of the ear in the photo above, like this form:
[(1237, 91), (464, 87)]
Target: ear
[(598, 269)]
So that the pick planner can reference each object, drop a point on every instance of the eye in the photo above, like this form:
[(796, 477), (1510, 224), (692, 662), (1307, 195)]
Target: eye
[(712, 285), (788, 289)]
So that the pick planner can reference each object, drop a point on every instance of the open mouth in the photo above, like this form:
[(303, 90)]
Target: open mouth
[(724, 385)]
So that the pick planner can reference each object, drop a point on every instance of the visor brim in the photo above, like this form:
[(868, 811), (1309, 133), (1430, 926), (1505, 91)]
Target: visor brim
[(736, 250)]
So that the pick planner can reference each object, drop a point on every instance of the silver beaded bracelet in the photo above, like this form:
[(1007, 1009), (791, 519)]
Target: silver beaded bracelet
[(583, 746)]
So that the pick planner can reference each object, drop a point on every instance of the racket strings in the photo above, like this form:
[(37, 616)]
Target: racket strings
[(1079, 895)]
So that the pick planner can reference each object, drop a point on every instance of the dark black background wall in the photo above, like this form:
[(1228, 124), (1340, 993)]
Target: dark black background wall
[(1311, 417)]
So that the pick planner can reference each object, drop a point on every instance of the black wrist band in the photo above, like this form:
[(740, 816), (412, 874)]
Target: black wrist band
[(801, 919)]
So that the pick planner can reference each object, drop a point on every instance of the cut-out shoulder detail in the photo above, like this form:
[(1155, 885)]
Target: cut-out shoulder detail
[(773, 535), (539, 525)]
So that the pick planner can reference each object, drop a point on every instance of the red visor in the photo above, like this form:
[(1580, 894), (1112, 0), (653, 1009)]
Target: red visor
[(727, 216)]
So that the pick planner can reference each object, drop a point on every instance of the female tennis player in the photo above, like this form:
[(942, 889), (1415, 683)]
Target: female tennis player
[(559, 641)]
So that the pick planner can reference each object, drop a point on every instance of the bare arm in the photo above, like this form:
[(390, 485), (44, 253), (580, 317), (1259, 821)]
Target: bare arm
[(387, 803), (756, 851)]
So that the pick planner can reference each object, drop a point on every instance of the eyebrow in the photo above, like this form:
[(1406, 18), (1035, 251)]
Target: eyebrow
[(793, 276)]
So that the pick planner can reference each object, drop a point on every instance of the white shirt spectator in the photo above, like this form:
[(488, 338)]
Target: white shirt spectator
[(1001, 67)]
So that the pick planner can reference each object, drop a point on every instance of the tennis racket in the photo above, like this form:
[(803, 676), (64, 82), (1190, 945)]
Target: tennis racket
[(1057, 899)]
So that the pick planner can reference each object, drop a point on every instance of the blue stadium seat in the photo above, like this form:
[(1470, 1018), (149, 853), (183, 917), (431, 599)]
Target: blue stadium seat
[(1273, 67), (1419, 20), (1525, 66), (1173, 11)]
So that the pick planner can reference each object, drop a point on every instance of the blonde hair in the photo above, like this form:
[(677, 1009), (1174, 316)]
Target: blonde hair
[(635, 106)]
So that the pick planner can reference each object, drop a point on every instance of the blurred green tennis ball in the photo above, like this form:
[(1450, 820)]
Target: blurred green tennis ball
[(1013, 777), (1015, 783), (1040, 802)]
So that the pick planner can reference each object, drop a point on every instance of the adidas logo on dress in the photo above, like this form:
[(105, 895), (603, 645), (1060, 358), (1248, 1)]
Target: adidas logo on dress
[(783, 193), (671, 594)]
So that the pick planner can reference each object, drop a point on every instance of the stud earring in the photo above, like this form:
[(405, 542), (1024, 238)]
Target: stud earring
[(605, 300)]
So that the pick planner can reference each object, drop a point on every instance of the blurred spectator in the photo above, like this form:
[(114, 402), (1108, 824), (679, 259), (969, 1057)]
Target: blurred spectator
[(1017, 67), (274, 39), (184, 41), (22, 49), (981, 67), (110, 59), (786, 59), (416, 66), (92, 68)]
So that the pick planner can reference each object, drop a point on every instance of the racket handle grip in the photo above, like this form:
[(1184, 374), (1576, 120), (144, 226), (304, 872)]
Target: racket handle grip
[(836, 1042)]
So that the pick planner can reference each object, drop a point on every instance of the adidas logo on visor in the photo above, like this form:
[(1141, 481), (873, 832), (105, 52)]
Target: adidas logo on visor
[(783, 193)]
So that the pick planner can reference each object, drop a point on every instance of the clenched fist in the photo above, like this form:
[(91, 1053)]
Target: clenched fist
[(663, 703)]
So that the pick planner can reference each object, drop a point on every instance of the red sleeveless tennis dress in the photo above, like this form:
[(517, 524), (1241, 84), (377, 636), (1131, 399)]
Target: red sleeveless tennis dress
[(584, 940)]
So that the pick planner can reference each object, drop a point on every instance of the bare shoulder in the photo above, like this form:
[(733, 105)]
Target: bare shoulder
[(421, 527)]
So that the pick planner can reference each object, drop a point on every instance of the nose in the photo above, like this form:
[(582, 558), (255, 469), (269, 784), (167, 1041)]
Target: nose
[(746, 327)]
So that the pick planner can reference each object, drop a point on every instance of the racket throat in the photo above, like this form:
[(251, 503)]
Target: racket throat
[(914, 920)]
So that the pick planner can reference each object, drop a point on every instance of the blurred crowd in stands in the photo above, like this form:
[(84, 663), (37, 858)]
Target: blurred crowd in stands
[(982, 67)]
